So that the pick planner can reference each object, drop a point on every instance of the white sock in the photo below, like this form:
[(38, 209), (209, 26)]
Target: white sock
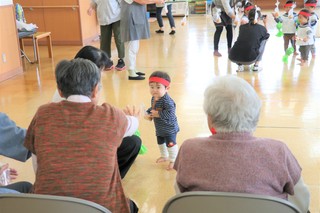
[(132, 73), (163, 150), (173, 152)]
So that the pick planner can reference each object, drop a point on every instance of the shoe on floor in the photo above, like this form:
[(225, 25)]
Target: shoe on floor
[(140, 73), (120, 65), (159, 31), (172, 32), (109, 66), (240, 68), (256, 68), (216, 53), (139, 77)]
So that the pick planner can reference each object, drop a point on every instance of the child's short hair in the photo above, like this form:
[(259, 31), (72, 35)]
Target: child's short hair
[(289, 4), (160, 75), (305, 12)]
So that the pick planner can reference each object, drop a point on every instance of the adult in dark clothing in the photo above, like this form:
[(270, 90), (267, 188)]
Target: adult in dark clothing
[(249, 47)]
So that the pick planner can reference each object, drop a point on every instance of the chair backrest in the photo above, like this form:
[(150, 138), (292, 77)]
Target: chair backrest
[(35, 203), (225, 202)]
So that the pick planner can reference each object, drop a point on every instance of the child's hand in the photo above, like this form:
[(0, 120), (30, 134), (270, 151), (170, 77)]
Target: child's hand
[(155, 114)]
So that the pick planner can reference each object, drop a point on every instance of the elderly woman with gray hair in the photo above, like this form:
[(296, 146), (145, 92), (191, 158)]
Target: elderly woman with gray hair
[(233, 160), (74, 142)]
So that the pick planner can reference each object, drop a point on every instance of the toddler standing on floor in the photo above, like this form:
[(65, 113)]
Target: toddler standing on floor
[(304, 36), (288, 25), (313, 21), (163, 113)]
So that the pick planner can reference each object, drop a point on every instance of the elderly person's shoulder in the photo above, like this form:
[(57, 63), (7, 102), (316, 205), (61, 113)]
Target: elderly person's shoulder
[(192, 143), (273, 145)]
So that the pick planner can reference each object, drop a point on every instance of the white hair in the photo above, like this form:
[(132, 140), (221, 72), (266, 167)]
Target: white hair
[(232, 104)]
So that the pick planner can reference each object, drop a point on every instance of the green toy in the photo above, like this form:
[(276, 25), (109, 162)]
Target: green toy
[(279, 27), (289, 51), (143, 149)]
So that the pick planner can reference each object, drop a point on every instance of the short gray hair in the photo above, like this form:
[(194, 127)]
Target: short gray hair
[(232, 104), (77, 77)]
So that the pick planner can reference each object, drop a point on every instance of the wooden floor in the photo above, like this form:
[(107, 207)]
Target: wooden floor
[(290, 96)]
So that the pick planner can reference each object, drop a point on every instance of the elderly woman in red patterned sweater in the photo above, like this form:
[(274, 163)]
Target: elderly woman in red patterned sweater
[(75, 141), (233, 160)]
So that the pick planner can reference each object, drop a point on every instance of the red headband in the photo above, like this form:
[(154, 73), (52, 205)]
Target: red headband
[(306, 14), (310, 4), (159, 80), (288, 5), (248, 8)]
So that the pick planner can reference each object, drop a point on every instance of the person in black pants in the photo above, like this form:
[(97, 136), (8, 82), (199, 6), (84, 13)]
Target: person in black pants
[(127, 153), (224, 19), (168, 8)]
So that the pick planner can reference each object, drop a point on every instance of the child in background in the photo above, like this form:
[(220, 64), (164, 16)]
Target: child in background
[(313, 21), (108, 14), (288, 25), (305, 37), (163, 114), (247, 6)]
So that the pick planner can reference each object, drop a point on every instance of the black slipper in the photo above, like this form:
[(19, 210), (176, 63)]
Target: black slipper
[(140, 73), (136, 78)]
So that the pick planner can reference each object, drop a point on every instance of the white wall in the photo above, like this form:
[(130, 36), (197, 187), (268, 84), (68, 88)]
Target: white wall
[(5, 2)]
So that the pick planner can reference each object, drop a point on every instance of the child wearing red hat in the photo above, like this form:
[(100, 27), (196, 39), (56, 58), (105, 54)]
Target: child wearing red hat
[(304, 36), (163, 113), (288, 20), (313, 21)]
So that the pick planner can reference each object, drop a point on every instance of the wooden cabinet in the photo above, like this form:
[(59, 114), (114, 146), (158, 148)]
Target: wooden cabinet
[(270, 4), (67, 20)]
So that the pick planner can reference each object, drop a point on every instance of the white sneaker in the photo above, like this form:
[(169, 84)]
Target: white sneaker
[(256, 68), (240, 68)]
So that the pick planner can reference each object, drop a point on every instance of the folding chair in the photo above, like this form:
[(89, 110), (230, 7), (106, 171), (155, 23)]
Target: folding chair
[(23, 34), (36, 203), (226, 202)]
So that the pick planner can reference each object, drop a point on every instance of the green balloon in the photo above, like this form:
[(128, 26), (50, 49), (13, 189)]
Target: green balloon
[(143, 150), (279, 34), (289, 51), (137, 133), (285, 59), (279, 25)]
